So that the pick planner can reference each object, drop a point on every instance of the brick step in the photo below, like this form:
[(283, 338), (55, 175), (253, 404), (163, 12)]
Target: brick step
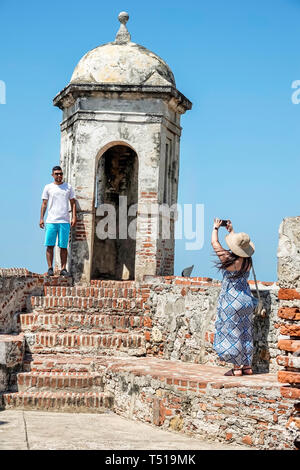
[(58, 401), (97, 292), (45, 342), (57, 281), (97, 304), (71, 381), (91, 322), (58, 363), (112, 283)]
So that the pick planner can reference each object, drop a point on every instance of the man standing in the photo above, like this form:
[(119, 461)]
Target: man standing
[(56, 197)]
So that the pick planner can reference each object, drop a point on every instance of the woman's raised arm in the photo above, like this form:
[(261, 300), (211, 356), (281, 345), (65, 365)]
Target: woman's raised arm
[(220, 251)]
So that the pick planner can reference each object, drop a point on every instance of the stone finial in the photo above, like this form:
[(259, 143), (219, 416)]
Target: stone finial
[(123, 36)]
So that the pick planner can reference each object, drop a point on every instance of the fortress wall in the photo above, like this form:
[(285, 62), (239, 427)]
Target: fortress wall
[(181, 313), (289, 314), (15, 286)]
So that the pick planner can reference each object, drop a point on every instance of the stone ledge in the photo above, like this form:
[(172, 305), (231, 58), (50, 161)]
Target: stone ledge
[(189, 398), (57, 401), (69, 94), (201, 401), (19, 272)]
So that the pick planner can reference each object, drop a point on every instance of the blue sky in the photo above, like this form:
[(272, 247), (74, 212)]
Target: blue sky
[(235, 60)]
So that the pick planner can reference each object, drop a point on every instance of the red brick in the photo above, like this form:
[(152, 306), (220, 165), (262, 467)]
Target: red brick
[(247, 440), (20, 379), (289, 377), (289, 313), (147, 335), (290, 392), (202, 384), (291, 330), (289, 345), (147, 322), (288, 294)]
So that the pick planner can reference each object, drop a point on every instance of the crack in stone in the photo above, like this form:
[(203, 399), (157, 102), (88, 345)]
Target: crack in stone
[(26, 434)]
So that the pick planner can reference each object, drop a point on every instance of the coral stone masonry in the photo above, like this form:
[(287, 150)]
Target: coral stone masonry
[(142, 350), (289, 313), (123, 333), (120, 146)]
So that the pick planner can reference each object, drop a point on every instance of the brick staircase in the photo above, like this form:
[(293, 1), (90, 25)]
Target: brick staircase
[(86, 352), (67, 329)]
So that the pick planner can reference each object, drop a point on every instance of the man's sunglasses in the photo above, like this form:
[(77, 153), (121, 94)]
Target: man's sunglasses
[(58, 174)]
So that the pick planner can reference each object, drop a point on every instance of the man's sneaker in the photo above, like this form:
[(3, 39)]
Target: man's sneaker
[(64, 272), (50, 272)]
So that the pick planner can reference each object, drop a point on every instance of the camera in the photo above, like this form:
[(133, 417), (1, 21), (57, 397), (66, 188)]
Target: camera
[(224, 223)]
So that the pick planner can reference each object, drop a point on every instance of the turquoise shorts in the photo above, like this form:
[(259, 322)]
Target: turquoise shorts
[(61, 231)]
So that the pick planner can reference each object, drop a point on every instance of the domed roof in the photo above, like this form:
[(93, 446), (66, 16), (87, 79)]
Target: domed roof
[(122, 62)]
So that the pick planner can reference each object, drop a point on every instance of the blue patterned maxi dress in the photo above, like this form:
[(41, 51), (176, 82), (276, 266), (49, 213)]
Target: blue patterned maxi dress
[(233, 336)]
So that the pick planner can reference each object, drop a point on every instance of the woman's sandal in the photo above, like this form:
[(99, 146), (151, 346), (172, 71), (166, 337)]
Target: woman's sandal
[(231, 372), (247, 368)]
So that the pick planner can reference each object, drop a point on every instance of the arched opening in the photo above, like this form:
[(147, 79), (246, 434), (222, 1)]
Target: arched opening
[(116, 191)]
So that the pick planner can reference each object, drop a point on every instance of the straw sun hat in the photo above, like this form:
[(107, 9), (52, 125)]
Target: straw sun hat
[(240, 244)]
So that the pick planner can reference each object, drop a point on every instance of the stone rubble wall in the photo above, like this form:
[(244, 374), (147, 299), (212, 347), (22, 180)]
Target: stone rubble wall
[(181, 313), (243, 414), (12, 349), (289, 314), (15, 286), (178, 324)]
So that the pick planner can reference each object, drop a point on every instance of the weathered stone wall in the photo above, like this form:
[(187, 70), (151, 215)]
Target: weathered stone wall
[(289, 314), (249, 413), (12, 348), (175, 318), (15, 286), (144, 120), (179, 316), (181, 313)]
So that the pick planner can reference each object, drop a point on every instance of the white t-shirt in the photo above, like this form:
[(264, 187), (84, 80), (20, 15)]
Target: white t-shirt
[(58, 196)]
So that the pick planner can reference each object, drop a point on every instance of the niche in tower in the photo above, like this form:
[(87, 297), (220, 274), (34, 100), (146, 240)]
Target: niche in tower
[(117, 186)]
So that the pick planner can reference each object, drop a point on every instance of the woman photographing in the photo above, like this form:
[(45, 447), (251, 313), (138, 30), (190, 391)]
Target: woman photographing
[(233, 340)]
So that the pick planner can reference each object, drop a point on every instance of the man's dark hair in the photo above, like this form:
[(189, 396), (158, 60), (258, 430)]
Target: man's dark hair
[(56, 168)]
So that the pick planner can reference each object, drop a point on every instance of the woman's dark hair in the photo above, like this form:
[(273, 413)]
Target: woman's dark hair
[(230, 259)]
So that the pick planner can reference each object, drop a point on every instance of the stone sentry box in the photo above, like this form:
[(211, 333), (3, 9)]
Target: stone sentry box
[(120, 136)]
